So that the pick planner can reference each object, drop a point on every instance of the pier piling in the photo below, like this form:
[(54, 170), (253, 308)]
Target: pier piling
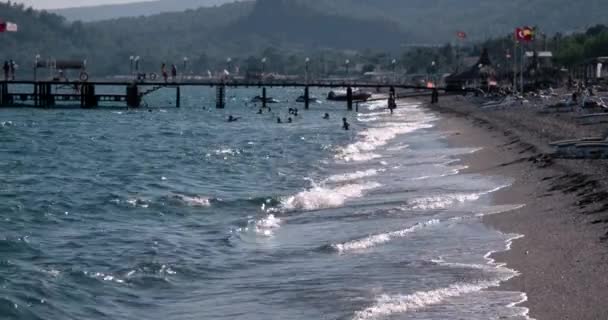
[(3, 93), (264, 97), (178, 98), (133, 98), (220, 102), (306, 98), (349, 98)]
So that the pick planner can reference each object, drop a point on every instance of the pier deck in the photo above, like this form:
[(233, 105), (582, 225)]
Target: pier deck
[(47, 94)]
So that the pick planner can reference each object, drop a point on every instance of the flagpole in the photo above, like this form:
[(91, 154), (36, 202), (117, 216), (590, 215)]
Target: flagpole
[(521, 75), (515, 64)]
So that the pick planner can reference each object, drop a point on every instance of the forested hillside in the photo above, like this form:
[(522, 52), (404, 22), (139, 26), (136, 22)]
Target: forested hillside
[(438, 20), (144, 8), (286, 31)]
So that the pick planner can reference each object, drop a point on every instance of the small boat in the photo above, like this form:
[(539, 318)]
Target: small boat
[(358, 95), (302, 99), (259, 99)]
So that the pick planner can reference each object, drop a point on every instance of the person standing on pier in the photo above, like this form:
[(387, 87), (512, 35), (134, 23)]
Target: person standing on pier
[(6, 69), (174, 73), (13, 66), (163, 71)]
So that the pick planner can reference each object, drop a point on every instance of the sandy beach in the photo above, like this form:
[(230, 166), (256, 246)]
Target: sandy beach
[(562, 257)]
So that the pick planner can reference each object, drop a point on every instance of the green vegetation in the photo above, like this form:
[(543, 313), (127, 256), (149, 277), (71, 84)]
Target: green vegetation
[(288, 31)]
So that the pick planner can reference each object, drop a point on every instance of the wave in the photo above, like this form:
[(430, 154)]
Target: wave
[(387, 305), (453, 171), (444, 201), (194, 201), (264, 226), (319, 197), (354, 176), (382, 238), (372, 138)]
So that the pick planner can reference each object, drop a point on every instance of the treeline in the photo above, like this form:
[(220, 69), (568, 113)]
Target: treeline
[(283, 31)]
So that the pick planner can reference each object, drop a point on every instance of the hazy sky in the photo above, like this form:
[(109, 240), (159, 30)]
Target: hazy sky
[(52, 4)]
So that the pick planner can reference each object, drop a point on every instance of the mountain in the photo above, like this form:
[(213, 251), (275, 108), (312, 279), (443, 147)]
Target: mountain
[(283, 30), (135, 9), (433, 21), (298, 25)]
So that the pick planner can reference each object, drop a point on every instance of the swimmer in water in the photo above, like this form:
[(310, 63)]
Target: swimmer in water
[(326, 116), (232, 119), (345, 124), (279, 120), (289, 120), (260, 111)]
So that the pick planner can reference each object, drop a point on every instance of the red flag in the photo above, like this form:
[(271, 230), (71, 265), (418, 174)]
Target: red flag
[(2, 26), (524, 34), (461, 34)]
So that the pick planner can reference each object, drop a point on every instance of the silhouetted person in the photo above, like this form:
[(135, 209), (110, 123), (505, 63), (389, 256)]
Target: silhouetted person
[(289, 120), (163, 71), (6, 68), (345, 124), (279, 120), (326, 116), (13, 66), (173, 72), (295, 112), (260, 111), (392, 105), (269, 109)]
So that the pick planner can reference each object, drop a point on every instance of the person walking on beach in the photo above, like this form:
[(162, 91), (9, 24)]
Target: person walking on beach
[(163, 71), (6, 69), (173, 73), (392, 105)]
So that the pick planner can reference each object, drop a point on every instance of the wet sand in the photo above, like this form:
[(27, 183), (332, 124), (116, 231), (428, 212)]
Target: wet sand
[(563, 258)]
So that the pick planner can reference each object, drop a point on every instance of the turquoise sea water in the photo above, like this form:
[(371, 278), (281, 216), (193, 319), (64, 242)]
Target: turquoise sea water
[(177, 214)]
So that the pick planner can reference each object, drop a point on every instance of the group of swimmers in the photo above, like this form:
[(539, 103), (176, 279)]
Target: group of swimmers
[(294, 112)]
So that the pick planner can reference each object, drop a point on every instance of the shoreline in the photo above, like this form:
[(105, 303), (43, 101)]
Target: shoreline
[(561, 258)]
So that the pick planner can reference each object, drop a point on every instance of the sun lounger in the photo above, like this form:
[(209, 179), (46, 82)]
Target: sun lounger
[(593, 118), (592, 150)]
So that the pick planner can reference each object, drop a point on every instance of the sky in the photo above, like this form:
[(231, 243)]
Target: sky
[(54, 4)]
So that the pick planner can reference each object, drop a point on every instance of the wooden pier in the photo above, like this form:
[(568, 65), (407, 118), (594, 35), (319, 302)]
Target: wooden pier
[(85, 94)]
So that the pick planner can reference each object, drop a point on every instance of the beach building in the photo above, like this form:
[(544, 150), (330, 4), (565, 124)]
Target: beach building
[(480, 75), (592, 70)]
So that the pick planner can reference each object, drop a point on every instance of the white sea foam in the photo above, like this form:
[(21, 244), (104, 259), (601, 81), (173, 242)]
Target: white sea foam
[(387, 305), (354, 176), (264, 226), (227, 151), (452, 172), (378, 239), (267, 225), (319, 197), (444, 201), (372, 138), (138, 202), (195, 201)]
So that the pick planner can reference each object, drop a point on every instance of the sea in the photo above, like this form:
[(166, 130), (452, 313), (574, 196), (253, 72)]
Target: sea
[(165, 213)]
